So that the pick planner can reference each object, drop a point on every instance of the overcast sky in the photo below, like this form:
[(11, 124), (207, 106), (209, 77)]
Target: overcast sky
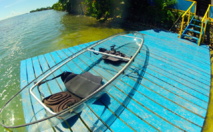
[(10, 8)]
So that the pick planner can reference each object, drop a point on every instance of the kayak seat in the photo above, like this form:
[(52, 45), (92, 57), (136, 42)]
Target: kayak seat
[(78, 86), (84, 84)]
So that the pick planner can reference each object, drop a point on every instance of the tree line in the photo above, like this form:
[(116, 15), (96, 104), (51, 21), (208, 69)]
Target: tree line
[(157, 12), (41, 9)]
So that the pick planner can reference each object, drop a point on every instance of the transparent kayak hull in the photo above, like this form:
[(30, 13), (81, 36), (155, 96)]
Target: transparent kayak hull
[(89, 59)]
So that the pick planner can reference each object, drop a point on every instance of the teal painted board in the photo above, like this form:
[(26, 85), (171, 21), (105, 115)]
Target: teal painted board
[(58, 56), (163, 112), (94, 106), (143, 113), (36, 108), (44, 67), (177, 72), (56, 59), (185, 65), (186, 70), (174, 98), (24, 80), (98, 110), (179, 47), (85, 60), (41, 111), (170, 106), (177, 54), (182, 43), (40, 66), (166, 89), (183, 55), (103, 73), (164, 63), (158, 79), (153, 96), (202, 88)]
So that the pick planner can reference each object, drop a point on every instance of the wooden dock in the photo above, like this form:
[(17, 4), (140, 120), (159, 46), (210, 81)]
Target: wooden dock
[(167, 89)]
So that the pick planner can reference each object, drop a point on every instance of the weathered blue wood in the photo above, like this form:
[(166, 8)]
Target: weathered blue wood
[(108, 75), (53, 85), (169, 41), (184, 65), (160, 82), (44, 67), (177, 72), (60, 56), (186, 70), (167, 87), (185, 57), (173, 107), (36, 107), (24, 80), (97, 70), (163, 112), (177, 99), (55, 59), (176, 67), (108, 115), (135, 107), (170, 37), (166, 72), (47, 92)]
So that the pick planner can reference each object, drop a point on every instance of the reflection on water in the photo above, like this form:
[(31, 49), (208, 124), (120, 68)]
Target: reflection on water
[(37, 33)]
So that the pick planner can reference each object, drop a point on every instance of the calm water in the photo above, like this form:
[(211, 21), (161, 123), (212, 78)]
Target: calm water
[(37, 33)]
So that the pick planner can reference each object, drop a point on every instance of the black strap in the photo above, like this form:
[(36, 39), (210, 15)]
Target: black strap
[(94, 52), (42, 82)]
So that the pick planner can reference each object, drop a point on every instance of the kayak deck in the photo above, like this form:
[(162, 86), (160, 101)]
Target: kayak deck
[(167, 88)]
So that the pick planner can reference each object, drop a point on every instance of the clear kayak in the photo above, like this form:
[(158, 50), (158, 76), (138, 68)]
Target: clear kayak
[(114, 55)]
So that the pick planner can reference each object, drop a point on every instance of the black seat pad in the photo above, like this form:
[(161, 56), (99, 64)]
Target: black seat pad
[(84, 84)]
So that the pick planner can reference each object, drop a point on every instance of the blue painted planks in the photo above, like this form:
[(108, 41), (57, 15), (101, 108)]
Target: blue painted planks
[(108, 75), (179, 62), (196, 61), (58, 56), (166, 41), (41, 67), (28, 111), (93, 106), (171, 93)]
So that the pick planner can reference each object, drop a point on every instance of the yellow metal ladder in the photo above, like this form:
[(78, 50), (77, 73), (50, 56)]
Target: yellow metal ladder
[(194, 26)]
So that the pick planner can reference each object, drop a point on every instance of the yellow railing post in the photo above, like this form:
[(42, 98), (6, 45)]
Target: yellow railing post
[(195, 3), (201, 29), (204, 32), (188, 14), (181, 27), (204, 23)]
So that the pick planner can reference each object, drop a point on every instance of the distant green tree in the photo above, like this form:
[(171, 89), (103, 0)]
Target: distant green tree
[(163, 11), (58, 6), (99, 8)]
